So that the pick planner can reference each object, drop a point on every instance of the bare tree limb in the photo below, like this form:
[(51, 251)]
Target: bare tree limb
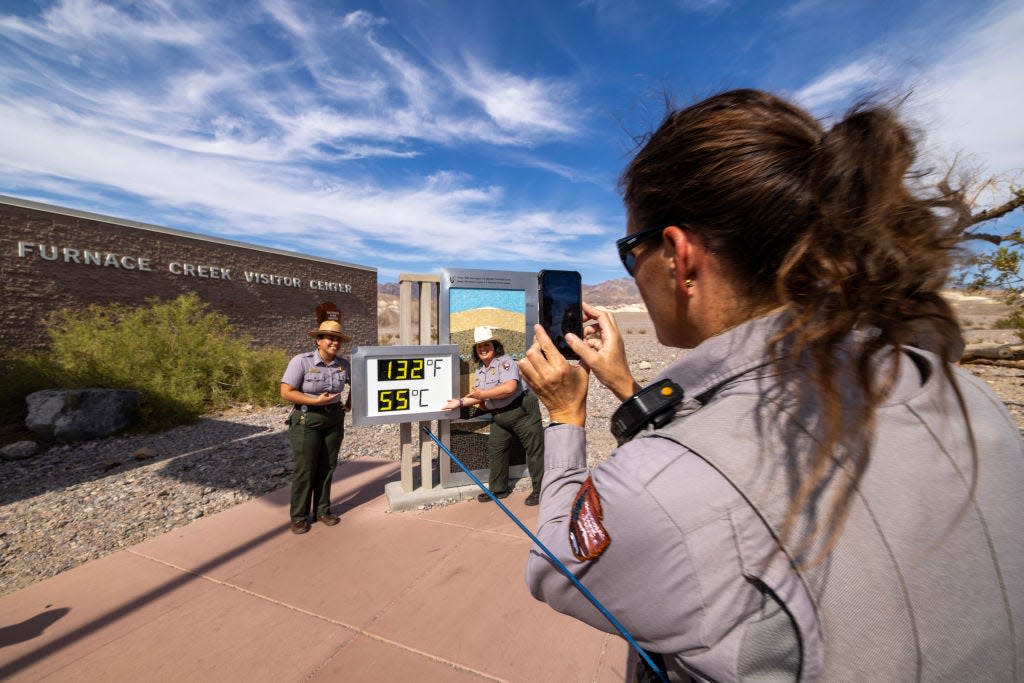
[(958, 202), (983, 236), (1000, 211)]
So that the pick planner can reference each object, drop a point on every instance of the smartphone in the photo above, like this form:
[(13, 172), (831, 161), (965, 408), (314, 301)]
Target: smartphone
[(561, 306)]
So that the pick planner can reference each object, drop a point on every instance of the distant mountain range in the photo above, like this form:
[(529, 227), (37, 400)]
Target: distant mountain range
[(611, 293)]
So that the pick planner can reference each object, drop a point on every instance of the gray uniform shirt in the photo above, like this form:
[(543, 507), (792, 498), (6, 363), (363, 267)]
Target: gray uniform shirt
[(501, 370), (684, 568), (308, 373)]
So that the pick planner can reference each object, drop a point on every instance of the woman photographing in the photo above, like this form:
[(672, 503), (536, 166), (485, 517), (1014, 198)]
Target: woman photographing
[(823, 500)]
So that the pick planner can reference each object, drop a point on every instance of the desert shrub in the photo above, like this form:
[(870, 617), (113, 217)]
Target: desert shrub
[(1014, 321), (183, 358)]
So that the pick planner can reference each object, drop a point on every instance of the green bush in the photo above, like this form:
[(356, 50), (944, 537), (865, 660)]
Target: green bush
[(1014, 321), (183, 358)]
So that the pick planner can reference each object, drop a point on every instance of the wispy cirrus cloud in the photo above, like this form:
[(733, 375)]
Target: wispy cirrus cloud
[(211, 114), (516, 103), (846, 82), (422, 132), (972, 96), (964, 92)]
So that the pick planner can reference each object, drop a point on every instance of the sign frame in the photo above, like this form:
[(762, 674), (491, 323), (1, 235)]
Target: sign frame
[(364, 359)]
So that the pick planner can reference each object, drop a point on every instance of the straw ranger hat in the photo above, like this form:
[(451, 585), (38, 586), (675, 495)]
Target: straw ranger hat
[(483, 334), (330, 328)]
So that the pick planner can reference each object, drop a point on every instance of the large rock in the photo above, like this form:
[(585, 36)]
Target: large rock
[(80, 414)]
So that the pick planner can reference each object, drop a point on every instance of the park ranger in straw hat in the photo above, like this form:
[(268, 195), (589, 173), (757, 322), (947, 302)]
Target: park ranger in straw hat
[(314, 382)]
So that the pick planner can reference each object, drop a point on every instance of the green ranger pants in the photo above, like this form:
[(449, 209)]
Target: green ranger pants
[(316, 439), (523, 424)]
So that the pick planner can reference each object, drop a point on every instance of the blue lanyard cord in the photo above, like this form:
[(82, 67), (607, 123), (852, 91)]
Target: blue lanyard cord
[(558, 563)]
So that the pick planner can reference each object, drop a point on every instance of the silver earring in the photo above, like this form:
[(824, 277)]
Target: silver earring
[(688, 283)]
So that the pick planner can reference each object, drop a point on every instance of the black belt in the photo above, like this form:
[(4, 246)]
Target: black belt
[(329, 408), (516, 402)]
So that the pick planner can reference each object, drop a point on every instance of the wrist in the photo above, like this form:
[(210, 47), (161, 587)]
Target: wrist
[(626, 388), (568, 418)]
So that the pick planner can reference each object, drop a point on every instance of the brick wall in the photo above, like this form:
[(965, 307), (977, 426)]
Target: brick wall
[(44, 266)]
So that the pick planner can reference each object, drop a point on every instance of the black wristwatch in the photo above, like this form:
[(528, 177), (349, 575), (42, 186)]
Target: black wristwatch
[(654, 404)]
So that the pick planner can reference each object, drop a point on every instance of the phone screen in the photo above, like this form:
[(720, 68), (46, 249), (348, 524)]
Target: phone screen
[(561, 308)]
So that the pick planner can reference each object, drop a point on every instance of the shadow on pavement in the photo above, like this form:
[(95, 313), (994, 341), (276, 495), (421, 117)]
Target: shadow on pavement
[(30, 628), (22, 631)]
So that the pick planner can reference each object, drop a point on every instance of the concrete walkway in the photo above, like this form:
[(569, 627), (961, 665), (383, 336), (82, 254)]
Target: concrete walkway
[(433, 595)]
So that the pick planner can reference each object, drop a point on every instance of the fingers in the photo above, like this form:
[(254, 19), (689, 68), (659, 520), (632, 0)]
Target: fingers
[(547, 347), (590, 313), (536, 364), (602, 352), (605, 320), (586, 350), (560, 385)]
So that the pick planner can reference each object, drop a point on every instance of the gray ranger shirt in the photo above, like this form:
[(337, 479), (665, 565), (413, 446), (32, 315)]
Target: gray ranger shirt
[(676, 534)]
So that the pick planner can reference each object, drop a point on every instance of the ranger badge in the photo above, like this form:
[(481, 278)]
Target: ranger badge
[(587, 536)]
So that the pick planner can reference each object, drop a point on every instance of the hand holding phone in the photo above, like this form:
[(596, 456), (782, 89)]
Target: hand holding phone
[(561, 307)]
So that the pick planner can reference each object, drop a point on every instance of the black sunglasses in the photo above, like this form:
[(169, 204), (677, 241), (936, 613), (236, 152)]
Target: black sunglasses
[(626, 244)]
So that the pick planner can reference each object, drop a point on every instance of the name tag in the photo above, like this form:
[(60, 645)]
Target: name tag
[(313, 371)]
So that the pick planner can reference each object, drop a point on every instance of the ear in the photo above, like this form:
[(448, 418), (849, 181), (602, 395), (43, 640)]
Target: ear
[(686, 254)]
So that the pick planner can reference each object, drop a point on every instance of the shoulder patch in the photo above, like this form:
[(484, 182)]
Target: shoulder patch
[(587, 536)]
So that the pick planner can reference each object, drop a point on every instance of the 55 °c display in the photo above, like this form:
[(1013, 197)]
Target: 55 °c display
[(391, 400)]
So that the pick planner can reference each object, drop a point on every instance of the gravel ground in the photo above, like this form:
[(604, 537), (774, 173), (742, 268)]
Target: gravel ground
[(74, 503)]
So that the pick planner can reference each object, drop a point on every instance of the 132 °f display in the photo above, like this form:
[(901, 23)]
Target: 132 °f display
[(398, 369)]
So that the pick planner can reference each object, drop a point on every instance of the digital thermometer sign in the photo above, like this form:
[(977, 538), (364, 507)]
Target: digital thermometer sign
[(403, 383)]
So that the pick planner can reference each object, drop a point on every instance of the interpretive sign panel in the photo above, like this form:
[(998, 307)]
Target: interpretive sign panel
[(506, 302)]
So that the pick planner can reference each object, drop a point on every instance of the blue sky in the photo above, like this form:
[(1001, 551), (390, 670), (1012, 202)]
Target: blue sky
[(416, 135)]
